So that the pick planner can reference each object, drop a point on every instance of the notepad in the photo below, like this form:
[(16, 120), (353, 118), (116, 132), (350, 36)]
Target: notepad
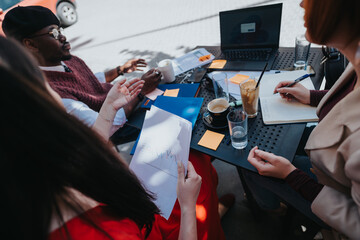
[(276, 110), (239, 78), (171, 92), (153, 95), (218, 64), (211, 140)]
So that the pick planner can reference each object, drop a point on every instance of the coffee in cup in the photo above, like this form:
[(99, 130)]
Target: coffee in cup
[(218, 110), (250, 97)]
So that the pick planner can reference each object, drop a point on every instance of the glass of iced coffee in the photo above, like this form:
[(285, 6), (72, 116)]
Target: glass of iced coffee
[(250, 96)]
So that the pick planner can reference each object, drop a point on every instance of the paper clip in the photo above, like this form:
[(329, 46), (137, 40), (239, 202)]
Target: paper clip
[(147, 101)]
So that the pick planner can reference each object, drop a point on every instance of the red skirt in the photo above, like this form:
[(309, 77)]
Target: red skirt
[(208, 220)]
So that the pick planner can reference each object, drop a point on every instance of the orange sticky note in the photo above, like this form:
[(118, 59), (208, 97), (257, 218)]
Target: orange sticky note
[(218, 64), (204, 58), (171, 92), (238, 78), (211, 139)]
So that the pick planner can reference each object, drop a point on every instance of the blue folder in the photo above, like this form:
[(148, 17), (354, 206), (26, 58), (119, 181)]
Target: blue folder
[(185, 107), (185, 90)]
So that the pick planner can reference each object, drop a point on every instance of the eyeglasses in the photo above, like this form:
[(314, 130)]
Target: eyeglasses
[(55, 33)]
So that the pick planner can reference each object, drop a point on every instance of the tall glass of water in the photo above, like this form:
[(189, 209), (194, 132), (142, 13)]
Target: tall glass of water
[(302, 48), (238, 127), (220, 83)]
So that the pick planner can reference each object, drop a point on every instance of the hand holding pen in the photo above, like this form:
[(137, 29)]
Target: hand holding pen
[(290, 90)]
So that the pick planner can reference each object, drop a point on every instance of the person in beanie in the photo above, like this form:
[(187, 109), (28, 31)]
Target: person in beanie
[(74, 81), (82, 91)]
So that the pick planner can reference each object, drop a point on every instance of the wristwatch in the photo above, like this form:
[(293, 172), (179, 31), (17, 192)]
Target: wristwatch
[(140, 97)]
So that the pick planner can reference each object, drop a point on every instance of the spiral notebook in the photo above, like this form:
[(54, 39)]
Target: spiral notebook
[(276, 110)]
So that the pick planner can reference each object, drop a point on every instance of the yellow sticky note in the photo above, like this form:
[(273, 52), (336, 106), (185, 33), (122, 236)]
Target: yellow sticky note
[(204, 58), (238, 78), (218, 64), (211, 139), (171, 92)]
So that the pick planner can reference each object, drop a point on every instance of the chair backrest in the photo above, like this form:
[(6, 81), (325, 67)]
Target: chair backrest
[(334, 66)]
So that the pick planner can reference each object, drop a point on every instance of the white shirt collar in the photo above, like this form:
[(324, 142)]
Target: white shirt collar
[(58, 68)]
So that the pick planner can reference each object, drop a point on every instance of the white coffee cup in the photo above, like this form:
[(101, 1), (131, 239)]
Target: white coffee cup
[(166, 68)]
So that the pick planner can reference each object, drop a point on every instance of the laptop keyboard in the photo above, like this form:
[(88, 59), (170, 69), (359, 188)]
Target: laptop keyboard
[(248, 54)]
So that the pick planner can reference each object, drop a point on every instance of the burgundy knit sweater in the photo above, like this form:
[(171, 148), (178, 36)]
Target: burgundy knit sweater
[(80, 84)]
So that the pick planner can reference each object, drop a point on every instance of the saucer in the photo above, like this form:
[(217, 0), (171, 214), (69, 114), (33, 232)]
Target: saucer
[(208, 121)]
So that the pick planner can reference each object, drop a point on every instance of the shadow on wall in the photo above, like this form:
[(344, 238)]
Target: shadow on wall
[(75, 44), (85, 45)]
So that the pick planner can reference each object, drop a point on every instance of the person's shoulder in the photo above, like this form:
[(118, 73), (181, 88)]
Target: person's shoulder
[(117, 228)]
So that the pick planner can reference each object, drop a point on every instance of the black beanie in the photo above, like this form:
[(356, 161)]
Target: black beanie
[(21, 22)]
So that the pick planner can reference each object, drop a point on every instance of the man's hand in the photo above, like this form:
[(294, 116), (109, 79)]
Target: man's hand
[(297, 92), (133, 65), (269, 164), (152, 79)]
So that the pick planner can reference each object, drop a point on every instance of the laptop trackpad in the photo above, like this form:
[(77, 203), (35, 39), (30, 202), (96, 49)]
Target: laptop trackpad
[(244, 66)]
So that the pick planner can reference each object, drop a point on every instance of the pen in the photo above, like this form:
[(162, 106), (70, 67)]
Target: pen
[(228, 141), (296, 81)]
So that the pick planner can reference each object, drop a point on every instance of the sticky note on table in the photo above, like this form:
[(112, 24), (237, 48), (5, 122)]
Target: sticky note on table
[(204, 58), (211, 139), (238, 78), (219, 64), (171, 92), (153, 95)]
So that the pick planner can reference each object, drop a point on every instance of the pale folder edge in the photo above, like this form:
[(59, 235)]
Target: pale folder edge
[(276, 110), (164, 140)]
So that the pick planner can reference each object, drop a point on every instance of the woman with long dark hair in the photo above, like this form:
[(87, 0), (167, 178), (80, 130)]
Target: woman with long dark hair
[(60, 179)]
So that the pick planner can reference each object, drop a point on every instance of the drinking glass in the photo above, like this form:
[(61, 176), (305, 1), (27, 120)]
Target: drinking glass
[(237, 120), (220, 83), (302, 48)]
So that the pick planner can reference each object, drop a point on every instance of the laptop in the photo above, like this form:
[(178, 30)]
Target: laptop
[(250, 37)]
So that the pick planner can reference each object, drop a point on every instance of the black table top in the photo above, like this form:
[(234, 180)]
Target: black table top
[(281, 139)]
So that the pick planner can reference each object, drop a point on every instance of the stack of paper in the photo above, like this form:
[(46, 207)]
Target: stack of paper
[(276, 110), (164, 140)]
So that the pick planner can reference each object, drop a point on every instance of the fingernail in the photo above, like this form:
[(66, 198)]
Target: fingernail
[(257, 151)]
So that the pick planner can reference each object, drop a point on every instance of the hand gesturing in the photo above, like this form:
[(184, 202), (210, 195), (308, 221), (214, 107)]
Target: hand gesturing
[(133, 65), (123, 92)]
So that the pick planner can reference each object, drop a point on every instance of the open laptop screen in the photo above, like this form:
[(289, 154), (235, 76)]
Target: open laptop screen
[(255, 27)]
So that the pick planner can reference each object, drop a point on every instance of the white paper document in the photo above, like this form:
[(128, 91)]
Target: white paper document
[(191, 60), (164, 140), (276, 110), (153, 95)]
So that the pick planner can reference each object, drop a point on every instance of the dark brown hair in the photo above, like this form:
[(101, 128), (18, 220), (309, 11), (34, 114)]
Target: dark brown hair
[(44, 151), (324, 17)]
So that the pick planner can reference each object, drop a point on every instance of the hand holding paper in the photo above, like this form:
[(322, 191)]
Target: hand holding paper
[(188, 188)]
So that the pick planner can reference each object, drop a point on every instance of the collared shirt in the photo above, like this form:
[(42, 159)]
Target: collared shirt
[(81, 110)]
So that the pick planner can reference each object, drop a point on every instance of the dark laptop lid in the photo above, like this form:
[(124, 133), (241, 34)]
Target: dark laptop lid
[(256, 27)]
